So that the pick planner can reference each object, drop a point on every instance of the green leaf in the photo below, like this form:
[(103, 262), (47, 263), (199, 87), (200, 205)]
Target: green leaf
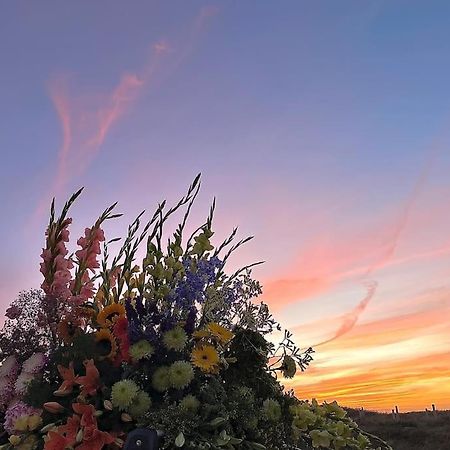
[(257, 446), (180, 440), (217, 422)]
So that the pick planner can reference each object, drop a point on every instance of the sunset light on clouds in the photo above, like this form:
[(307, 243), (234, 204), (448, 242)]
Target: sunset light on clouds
[(322, 129)]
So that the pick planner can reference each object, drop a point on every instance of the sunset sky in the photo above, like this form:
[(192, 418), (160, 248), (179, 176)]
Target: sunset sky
[(322, 128)]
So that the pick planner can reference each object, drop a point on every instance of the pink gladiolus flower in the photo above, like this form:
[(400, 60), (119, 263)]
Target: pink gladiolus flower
[(64, 235), (81, 254)]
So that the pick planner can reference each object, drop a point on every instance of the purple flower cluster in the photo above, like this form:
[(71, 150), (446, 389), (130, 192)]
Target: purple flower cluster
[(14, 379), (8, 374), (142, 320), (15, 411), (198, 275)]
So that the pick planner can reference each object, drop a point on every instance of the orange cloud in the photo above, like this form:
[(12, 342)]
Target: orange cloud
[(393, 329), (401, 359), (411, 384)]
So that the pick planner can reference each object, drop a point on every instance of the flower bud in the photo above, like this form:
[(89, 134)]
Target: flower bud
[(126, 417), (62, 392), (48, 427), (79, 436), (108, 405), (119, 442), (53, 407)]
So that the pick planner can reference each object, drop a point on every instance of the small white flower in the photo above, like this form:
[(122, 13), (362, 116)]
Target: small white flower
[(23, 380), (35, 363), (9, 367)]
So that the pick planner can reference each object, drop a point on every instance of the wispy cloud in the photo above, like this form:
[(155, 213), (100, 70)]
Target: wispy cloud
[(87, 118), (351, 318), (324, 268)]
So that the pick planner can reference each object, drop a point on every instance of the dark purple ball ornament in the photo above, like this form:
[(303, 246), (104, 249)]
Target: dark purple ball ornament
[(143, 439)]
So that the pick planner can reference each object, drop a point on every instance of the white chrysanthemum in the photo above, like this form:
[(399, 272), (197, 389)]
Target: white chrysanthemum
[(190, 404), (141, 349), (181, 373), (5, 383), (9, 367), (22, 382), (123, 393), (175, 339), (35, 363), (161, 379), (6, 392), (140, 405)]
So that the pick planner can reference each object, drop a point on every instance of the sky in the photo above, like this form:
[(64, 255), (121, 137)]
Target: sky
[(322, 128)]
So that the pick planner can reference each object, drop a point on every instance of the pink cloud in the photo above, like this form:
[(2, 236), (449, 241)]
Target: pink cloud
[(87, 119), (122, 96), (350, 319)]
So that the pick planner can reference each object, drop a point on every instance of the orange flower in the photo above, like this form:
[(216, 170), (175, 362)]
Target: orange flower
[(94, 439), (201, 334), (106, 343), (68, 330), (221, 333), (91, 381), (70, 429), (84, 424), (86, 412), (206, 358), (64, 437), (56, 441), (68, 375), (108, 315)]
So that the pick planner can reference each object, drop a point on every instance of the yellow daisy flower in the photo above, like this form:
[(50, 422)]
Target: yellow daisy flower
[(220, 332), (206, 358), (107, 316), (201, 334), (106, 343)]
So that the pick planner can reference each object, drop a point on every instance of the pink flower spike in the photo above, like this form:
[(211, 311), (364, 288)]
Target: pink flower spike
[(65, 235), (82, 242), (81, 254), (100, 234)]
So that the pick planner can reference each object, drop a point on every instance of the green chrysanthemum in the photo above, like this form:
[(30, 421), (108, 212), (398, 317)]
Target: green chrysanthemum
[(175, 339), (289, 367), (123, 393), (161, 379), (272, 410), (181, 374), (141, 404), (141, 349), (190, 404)]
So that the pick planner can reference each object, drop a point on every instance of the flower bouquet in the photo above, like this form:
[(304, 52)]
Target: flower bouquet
[(108, 348)]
